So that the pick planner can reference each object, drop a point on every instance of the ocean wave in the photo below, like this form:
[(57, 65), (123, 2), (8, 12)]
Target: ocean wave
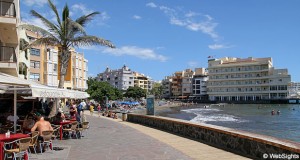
[(201, 110), (211, 115), (216, 118)]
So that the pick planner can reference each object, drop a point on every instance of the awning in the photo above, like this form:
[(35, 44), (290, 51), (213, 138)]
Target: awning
[(9, 83)]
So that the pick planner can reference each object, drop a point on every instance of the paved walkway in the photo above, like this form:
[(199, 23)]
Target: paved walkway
[(110, 139)]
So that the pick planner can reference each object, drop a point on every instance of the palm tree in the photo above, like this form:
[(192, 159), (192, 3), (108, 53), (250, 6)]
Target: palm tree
[(65, 33)]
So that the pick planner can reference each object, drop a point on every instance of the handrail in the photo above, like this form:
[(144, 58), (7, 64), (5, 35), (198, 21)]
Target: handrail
[(7, 54), (7, 9)]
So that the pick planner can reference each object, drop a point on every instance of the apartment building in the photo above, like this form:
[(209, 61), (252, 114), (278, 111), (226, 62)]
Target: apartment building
[(9, 39), (142, 81), (79, 71), (187, 83), (199, 84), (249, 79), (124, 78), (176, 86), (294, 89), (76, 77), (167, 87), (120, 78), (36, 58), (51, 67)]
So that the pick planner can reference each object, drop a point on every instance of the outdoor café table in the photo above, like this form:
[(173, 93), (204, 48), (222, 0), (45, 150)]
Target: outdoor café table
[(61, 123), (12, 137)]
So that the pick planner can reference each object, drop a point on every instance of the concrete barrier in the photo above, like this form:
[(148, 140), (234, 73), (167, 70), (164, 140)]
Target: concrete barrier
[(244, 143)]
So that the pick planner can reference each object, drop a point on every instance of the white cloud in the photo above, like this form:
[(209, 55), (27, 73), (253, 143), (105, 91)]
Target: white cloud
[(39, 3), (137, 17), (191, 14), (143, 53), (190, 20), (151, 4), (192, 64), (218, 46), (32, 20), (80, 8)]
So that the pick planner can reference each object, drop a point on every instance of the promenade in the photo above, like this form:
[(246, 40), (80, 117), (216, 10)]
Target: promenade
[(113, 139)]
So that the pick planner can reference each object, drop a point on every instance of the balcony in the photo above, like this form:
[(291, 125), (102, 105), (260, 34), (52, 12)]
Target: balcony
[(7, 54), (7, 9), (8, 22), (8, 60)]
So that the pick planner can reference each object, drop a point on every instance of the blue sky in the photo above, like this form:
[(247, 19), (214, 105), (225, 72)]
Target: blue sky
[(159, 37)]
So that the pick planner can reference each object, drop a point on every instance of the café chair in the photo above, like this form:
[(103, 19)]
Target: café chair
[(47, 140), (17, 148), (34, 140), (72, 129), (84, 127)]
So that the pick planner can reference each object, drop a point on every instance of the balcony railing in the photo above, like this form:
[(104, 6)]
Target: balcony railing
[(7, 9), (7, 54)]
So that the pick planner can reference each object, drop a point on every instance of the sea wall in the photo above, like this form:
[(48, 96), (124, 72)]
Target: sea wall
[(240, 142)]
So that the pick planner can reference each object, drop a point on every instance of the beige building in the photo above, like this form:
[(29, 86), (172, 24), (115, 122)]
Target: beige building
[(37, 54), (76, 77), (142, 81), (187, 79), (235, 79), (9, 40), (176, 86)]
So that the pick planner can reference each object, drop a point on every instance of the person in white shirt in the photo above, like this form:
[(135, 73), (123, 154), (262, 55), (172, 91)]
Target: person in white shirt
[(83, 104), (10, 118)]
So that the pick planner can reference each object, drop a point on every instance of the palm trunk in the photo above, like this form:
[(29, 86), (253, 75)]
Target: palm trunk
[(64, 61)]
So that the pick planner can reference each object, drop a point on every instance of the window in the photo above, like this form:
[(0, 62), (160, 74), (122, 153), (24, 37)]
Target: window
[(34, 76), (35, 52), (34, 64), (55, 67)]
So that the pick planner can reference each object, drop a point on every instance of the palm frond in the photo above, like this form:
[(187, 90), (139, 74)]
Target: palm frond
[(75, 27), (37, 29), (83, 20), (65, 14), (54, 9), (90, 40), (51, 41), (52, 27)]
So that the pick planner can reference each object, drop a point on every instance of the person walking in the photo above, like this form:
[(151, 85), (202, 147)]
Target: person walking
[(91, 109), (99, 109)]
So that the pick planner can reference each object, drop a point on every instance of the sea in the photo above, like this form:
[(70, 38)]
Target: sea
[(255, 118)]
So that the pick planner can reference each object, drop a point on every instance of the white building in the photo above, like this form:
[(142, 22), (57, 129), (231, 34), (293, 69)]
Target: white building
[(51, 67), (235, 79), (120, 78), (294, 90), (199, 82)]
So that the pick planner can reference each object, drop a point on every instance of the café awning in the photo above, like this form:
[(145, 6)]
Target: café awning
[(9, 83)]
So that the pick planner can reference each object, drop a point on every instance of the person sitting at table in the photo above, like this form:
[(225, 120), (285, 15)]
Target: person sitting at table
[(41, 125), (28, 123), (73, 110), (58, 117)]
